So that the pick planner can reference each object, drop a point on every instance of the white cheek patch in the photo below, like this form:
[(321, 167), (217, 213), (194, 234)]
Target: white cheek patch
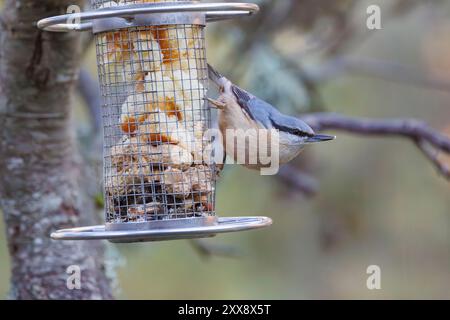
[(227, 88)]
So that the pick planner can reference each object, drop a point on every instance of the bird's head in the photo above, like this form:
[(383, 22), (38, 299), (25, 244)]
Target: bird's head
[(297, 131)]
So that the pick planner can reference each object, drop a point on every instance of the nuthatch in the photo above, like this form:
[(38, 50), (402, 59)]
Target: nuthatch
[(240, 110)]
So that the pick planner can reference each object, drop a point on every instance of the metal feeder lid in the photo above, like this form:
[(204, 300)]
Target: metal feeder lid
[(211, 11)]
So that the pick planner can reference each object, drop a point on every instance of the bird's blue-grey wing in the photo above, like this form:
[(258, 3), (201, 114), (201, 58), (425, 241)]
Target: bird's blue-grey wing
[(257, 109), (266, 114), (243, 99)]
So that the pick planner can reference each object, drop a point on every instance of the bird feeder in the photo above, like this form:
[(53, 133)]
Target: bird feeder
[(159, 176)]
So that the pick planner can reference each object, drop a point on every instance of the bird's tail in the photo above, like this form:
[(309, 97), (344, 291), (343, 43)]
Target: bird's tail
[(320, 138), (214, 75)]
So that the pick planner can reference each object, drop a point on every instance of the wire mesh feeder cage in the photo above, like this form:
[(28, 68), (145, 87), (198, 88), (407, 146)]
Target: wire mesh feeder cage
[(159, 173)]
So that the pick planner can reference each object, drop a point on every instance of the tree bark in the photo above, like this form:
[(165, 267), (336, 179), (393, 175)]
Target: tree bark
[(41, 173)]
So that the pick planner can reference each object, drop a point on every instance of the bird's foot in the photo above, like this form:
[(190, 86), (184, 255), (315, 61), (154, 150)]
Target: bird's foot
[(216, 103)]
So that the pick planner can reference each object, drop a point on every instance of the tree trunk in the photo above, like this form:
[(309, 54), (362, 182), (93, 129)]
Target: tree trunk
[(41, 173)]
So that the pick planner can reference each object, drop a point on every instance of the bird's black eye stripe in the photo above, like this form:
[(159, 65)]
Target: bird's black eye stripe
[(301, 133), (293, 131)]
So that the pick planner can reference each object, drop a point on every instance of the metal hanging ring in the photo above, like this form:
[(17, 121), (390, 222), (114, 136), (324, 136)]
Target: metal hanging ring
[(211, 12)]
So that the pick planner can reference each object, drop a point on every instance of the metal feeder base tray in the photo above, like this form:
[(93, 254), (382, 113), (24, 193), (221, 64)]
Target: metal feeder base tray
[(162, 230)]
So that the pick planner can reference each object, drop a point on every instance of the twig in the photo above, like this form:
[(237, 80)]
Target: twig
[(396, 72), (433, 155), (90, 92), (208, 250), (370, 67), (298, 180), (429, 141)]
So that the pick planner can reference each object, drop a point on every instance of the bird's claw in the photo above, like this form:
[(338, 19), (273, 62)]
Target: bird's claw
[(216, 103)]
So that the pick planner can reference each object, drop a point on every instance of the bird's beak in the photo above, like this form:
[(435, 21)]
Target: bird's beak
[(320, 138)]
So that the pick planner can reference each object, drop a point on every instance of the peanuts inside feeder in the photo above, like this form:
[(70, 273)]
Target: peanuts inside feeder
[(159, 177), (150, 172)]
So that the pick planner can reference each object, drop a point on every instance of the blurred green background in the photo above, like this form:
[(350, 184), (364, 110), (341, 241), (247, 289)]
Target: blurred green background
[(380, 201)]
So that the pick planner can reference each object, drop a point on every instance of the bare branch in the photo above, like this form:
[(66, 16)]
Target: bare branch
[(426, 138), (90, 92), (370, 67), (208, 250), (298, 180), (433, 155)]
